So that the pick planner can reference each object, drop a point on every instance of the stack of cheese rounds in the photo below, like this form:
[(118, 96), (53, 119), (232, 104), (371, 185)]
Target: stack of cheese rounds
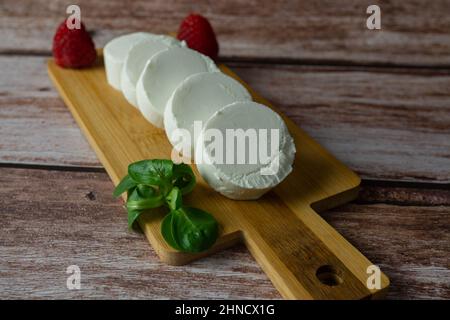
[(204, 113)]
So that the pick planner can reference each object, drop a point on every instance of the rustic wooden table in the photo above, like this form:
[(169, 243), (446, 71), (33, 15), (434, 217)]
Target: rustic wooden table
[(378, 100)]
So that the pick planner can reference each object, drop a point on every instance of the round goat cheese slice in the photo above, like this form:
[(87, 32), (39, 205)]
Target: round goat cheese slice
[(115, 52), (136, 59), (193, 102), (161, 76), (244, 150)]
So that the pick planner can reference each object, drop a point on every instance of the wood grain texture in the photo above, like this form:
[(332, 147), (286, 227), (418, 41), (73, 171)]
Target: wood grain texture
[(120, 135), (392, 116), (410, 244), (389, 115), (53, 219), (34, 125), (389, 192), (413, 32)]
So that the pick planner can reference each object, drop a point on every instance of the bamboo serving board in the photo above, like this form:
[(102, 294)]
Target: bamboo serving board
[(304, 257)]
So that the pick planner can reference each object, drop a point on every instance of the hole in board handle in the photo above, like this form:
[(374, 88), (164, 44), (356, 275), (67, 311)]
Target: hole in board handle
[(329, 276)]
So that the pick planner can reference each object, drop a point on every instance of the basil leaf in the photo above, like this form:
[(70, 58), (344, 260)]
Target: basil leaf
[(132, 218), (146, 191), (133, 195), (154, 172), (166, 231), (153, 183), (124, 185), (184, 177), (174, 199), (141, 198), (147, 203), (129, 192), (193, 230)]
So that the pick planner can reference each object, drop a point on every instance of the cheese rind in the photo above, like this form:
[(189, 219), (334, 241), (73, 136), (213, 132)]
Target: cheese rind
[(244, 181), (197, 98), (136, 59), (115, 52), (164, 72)]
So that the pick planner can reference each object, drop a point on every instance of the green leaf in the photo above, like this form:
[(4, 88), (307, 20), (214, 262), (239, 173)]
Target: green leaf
[(147, 203), (141, 198), (193, 230), (130, 192), (174, 199), (133, 215), (145, 197), (143, 203), (183, 177), (166, 231), (124, 185), (153, 183), (146, 191), (154, 172)]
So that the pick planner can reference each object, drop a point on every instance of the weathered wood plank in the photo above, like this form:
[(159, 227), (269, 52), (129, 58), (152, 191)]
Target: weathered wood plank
[(392, 122), (404, 194), (413, 32), (53, 219), (410, 244), (384, 123)]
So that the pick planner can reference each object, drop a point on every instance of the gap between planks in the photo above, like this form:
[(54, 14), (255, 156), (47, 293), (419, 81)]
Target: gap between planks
[(366, 195), (230, 61)]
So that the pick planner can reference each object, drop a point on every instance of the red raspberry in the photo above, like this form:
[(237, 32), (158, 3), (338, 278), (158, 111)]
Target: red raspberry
[(73, 48), (199, 35)]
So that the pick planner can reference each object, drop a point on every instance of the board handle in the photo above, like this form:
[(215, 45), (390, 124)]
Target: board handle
[(297, 262)]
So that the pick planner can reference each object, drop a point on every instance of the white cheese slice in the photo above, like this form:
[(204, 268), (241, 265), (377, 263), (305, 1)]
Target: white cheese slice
[(164, 72), (137, 58), (115, 52), (217, 158), (197, 98)]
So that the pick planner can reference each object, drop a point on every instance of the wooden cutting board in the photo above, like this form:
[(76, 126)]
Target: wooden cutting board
[(304, 257)]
